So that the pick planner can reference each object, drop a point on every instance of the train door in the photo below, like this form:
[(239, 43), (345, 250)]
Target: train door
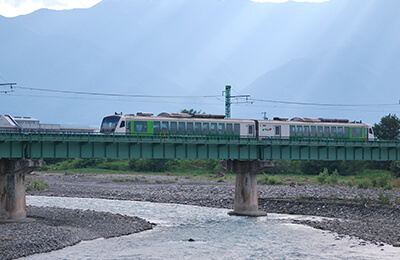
[(121, 126), (269, 131), (247, 130)]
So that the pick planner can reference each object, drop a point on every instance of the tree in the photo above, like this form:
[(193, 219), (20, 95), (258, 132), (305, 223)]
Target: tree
[(388, 128), (191, 111)]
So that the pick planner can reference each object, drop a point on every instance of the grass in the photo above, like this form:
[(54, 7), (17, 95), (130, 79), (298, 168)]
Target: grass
[(369, 179), (32, 183)]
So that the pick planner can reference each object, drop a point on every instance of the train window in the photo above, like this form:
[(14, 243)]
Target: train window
[(320, 130), (206, 128), (128, 125), (333, 131), (299, 130), (340, 131), (277, 130), (197, 128), (221, 129), (122, 124), (356, 132), (164, 126), (313, 131), (140, 127), (346, 132), (213, 128), (306, 130), (292, 130), (156, 127), (229, 129), (181, 127), (250, 129), (326, 131), (236, 129), (173, 127), (189, 128)]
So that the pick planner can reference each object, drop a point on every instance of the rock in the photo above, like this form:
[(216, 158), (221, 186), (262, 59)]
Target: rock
[(191, 240), (397, 244)]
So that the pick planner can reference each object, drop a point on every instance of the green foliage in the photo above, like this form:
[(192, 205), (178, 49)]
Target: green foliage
[(361, 198), (152, 165), (191, 111), (384, 199), (321, 178), (385, 182), (388, 128), (36, 185), (394, 169), (270, 181), (333, 178), (285, 167), (364, 183)]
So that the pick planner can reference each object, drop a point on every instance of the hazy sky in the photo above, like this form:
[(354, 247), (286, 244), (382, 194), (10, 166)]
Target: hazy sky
[(12, 8)]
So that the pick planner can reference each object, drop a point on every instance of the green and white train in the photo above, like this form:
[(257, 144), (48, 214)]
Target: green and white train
[(182, 124)]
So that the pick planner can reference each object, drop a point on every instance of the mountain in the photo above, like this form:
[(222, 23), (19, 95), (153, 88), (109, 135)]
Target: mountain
[(341, 51)]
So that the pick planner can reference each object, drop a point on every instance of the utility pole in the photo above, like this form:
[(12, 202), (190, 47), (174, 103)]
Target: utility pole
[(7, 85), (265, 115), (228, 98), (227, 101)]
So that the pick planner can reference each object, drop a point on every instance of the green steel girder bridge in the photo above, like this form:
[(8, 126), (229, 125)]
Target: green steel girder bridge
[(19, 154), (37, 145)]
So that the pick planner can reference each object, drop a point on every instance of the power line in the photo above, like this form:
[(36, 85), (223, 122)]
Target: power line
[(318, 104), (109, 94), (113, 100), (3, 78)]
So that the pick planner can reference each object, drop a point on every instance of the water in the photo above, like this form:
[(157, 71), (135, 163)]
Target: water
[(216, 235)]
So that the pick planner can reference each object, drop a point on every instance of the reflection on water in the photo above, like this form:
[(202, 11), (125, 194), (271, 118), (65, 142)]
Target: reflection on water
[(216, 235)]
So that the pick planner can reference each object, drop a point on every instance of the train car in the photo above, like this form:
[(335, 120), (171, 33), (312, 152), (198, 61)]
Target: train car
[(10, 124), (314, 128), (178, 124), (215, 125)]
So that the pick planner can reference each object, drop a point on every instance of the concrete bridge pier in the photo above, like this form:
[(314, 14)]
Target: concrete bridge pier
[(246, 197), (12, 188)]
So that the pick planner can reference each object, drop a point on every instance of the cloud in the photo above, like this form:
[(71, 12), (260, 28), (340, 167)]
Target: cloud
[(12, 8), (284, 1)]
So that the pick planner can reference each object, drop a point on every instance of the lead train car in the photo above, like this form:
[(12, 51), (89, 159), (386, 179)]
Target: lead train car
[(216, 125)]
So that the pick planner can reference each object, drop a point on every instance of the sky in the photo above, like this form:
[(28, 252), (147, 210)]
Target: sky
[(12, 8)]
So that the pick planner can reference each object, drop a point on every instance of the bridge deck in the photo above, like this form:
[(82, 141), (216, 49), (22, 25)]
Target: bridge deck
[(38, 145)]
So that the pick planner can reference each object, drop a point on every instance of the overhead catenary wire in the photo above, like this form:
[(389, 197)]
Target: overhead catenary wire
[(249, 101), (319, 104), (110, 94)]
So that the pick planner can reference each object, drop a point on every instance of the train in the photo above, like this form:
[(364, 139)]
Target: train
[(208, 125), (24, 124)]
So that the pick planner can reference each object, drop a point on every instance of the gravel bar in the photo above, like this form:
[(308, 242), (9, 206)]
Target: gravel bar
[(55, 228), (375, 223)]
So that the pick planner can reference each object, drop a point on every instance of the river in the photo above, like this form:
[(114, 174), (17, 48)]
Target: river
[(216, 235)]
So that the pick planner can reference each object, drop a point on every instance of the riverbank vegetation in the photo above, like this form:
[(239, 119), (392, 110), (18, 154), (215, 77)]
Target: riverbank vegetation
[(361, 174)]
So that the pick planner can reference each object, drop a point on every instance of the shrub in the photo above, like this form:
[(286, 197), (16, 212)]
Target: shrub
[(394, 169), (36, 185), (385, 182), (364, 183), (351, 182), (333, 178), (270, 181), (384, 199), (321, 178)]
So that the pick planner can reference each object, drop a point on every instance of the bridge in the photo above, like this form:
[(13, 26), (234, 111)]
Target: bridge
[(114, 146), (19, 153)]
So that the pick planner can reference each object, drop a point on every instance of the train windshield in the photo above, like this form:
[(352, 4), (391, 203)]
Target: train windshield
[(109, 123)]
